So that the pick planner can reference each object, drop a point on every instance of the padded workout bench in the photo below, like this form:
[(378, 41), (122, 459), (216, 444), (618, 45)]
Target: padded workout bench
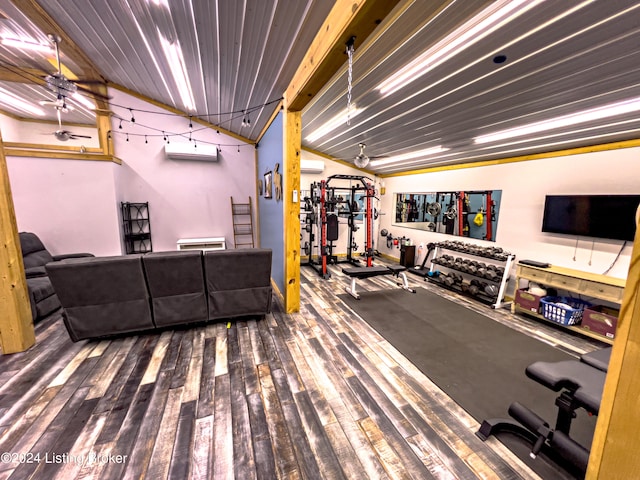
[(367, 272), (581, 386)]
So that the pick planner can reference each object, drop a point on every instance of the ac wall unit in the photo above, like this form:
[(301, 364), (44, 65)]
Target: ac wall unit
[(311, 166), (191, 151), (204, 244)]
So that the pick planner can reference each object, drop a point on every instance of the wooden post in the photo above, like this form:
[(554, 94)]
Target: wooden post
[(16, 324), (292, 126), (615, 442)]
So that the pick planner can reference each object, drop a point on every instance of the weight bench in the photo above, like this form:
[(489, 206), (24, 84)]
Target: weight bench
[(598, 359), (581, 386), (367, 272)]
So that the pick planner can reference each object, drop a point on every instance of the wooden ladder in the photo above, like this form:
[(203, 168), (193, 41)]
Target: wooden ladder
[(242, 217)]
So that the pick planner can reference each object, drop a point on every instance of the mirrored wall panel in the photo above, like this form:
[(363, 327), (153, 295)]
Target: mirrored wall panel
[(465, 214)]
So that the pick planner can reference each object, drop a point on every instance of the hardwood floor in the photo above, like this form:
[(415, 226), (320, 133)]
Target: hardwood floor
[(316, 394)]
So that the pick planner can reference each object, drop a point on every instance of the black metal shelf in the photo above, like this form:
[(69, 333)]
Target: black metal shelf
[(136, 227)]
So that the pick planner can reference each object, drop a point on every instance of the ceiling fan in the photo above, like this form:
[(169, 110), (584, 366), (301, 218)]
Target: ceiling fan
[(361, 160), (64, 135), (60, 85)]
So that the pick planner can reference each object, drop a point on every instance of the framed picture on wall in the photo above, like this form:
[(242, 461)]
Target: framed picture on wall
[(268, 184)]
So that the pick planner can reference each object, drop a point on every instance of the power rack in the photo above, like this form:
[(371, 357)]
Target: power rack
[(322, 210)]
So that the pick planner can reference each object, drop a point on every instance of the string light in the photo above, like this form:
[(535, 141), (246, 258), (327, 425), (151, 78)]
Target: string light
[(133, 120), (145, 139), (127, 137), (120, 126)]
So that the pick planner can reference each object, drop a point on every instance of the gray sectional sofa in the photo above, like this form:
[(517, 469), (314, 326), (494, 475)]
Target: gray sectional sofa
[(104, 296), (35, 256)]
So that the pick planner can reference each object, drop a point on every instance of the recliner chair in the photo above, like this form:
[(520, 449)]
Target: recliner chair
[(35, 256)]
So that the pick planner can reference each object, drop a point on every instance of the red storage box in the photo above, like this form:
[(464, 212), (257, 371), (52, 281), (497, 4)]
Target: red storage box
[(527, 301), (601, 319)]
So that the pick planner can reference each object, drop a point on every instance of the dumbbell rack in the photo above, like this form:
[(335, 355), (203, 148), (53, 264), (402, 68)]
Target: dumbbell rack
[(469, 269)]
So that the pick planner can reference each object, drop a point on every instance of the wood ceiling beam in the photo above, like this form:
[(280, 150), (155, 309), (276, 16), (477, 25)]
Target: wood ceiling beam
[(348, 18), (22, 75)]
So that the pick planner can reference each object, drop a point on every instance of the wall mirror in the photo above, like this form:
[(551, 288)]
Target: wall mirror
[(472, 214)]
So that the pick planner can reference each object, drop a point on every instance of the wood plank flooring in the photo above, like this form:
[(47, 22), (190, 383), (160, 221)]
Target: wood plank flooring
[(316, 394)]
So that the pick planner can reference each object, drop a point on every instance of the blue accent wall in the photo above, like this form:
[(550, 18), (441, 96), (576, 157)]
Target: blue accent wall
[(270, 152)]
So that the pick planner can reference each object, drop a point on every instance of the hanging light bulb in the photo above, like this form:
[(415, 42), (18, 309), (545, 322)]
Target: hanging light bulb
[(145, 139), (120, 126), (133, 120)]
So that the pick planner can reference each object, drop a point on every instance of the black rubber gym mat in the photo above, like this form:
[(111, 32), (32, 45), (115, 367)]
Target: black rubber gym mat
[(477, 361)]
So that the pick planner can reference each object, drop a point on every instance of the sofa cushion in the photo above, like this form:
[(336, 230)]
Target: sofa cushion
[(238, 282), (102, 295), (42, 297), (176, 285)]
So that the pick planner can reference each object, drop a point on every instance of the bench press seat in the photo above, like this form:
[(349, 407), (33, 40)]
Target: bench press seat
[(585, 383), (368, 272), (374, 271)]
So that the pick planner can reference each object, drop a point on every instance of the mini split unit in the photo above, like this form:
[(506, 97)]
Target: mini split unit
[(311, 166), (191, 151)]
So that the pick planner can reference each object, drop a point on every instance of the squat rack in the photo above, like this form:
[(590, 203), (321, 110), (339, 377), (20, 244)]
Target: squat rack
[(324, 205)]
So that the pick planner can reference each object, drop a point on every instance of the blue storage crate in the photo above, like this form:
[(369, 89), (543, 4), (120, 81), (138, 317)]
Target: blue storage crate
[(563, 315)]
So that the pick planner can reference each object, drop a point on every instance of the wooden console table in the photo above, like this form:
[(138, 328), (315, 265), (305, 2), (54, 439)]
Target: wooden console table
[(593, 285)]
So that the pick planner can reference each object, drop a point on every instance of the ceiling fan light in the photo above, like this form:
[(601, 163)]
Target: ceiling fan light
[(361, 161)]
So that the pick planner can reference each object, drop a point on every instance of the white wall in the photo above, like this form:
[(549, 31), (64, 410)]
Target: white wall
[(75, 205), (187, 198), (14, 130), (69, 204), (524, 186)]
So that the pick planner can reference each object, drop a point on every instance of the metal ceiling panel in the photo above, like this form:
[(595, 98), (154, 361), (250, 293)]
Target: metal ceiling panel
[(239, 55), (562, 58)]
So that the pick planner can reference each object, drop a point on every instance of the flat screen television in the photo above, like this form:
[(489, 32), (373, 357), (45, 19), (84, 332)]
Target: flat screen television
[(600, 216)]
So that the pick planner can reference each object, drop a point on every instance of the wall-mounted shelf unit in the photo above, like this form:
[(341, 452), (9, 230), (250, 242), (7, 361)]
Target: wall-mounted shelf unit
[(136, 227), (593, 285)]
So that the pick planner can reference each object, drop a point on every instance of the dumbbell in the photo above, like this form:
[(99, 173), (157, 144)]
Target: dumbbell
[(491, 273), (448, 279), (473, 268), (474, 287), (491, 290)]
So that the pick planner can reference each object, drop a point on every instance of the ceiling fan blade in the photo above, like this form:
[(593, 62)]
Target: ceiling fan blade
[(93, 93), (74, 136)]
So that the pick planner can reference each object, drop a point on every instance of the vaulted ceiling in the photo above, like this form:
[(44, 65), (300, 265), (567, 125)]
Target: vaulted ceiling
[(488, 70)]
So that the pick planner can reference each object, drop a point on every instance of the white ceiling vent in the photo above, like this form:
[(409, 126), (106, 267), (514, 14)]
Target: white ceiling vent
[(191, 151), (311, 166)]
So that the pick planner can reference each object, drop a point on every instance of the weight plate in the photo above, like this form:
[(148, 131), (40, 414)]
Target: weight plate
[(434, 209)]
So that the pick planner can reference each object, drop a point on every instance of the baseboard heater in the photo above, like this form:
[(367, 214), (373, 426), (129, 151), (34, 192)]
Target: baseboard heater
[(204, 244)]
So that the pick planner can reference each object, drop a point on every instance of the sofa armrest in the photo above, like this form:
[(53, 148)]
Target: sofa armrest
[(34, 272), (57, 258)]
